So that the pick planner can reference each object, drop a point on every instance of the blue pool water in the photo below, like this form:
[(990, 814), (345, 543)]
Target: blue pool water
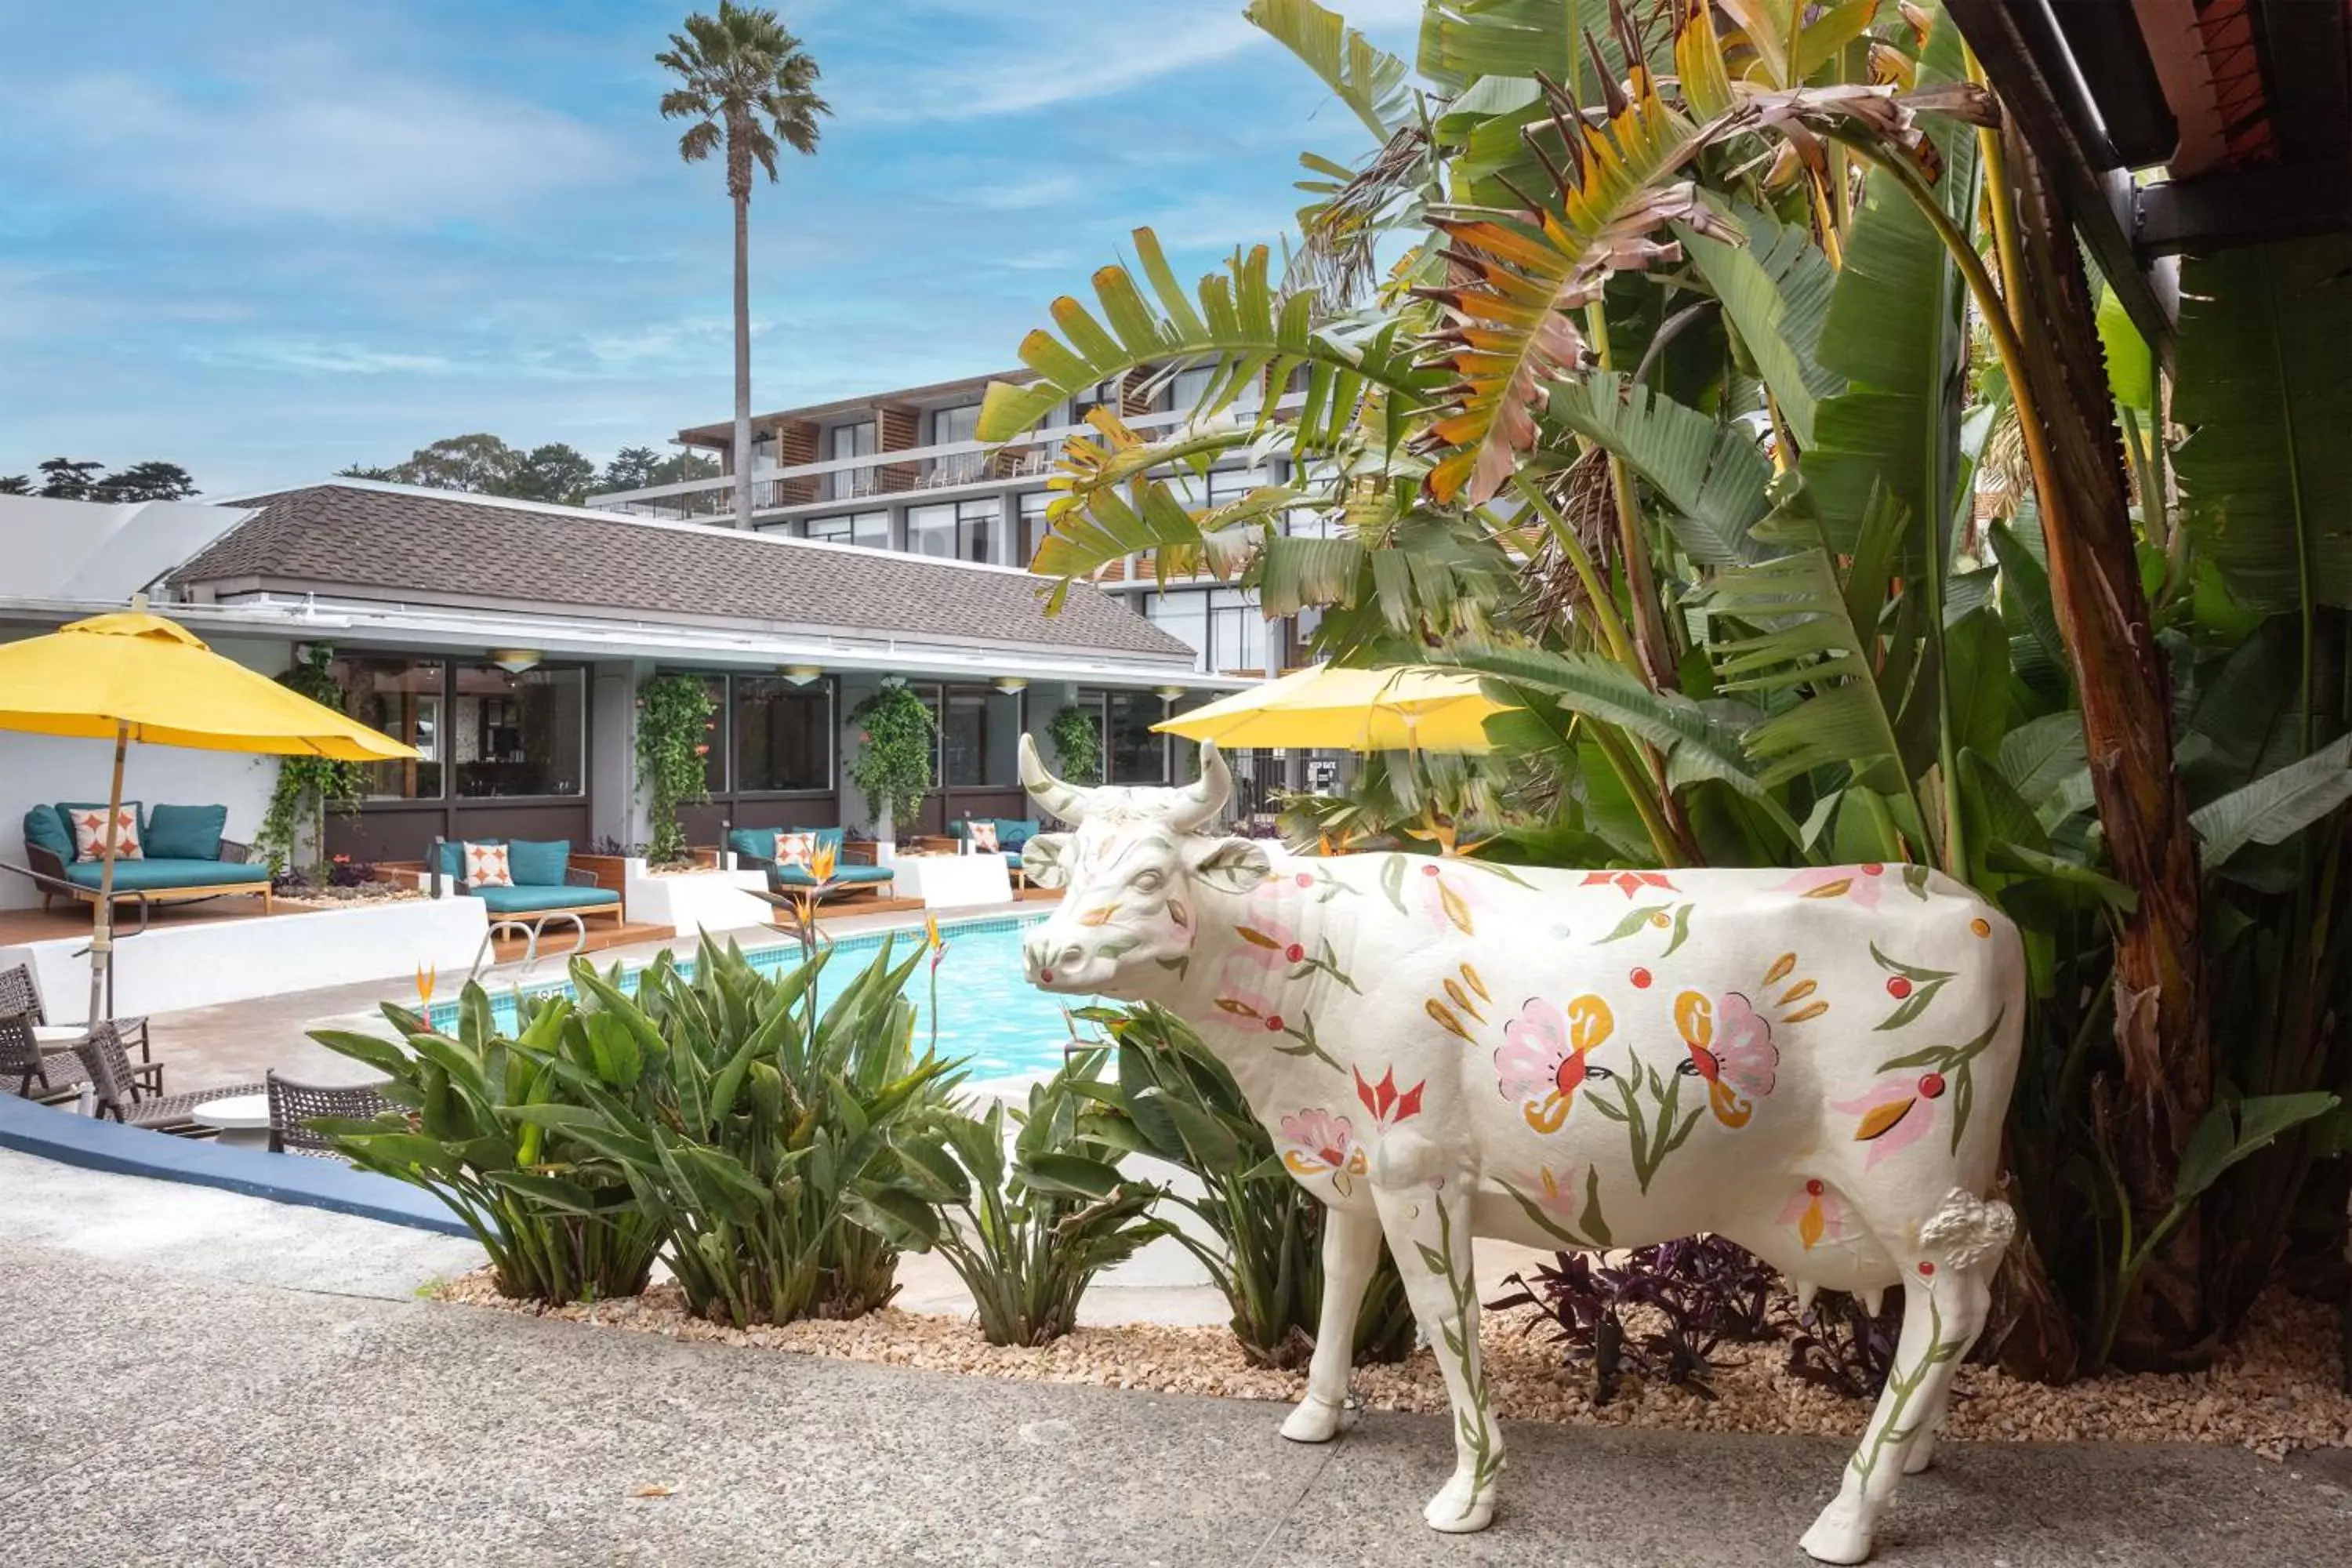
[(987, 1010)]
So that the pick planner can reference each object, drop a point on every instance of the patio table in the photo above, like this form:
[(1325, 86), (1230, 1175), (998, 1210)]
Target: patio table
[(243, 1120)]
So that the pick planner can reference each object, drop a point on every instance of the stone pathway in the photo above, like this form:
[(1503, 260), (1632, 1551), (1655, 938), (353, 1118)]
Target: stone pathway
[(224, 1395)]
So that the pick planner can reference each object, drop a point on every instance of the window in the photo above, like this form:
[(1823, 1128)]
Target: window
[(1137, 755), (870, 529), (844, 441), (931, 529), (952, 424), (980, 736), (1185, 617), (519, 734), (963, 739), (401, 697), (783, 734), (763, 452), (1033, 526), (1191, 385), (1237, 629), (1228, 485), (964, 530)]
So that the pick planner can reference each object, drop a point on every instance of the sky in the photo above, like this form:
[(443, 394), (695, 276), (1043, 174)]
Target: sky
[(268, 241)]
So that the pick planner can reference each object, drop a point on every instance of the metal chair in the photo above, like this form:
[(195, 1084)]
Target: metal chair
[(111, 1078), (40, 1056), (294, 1106)]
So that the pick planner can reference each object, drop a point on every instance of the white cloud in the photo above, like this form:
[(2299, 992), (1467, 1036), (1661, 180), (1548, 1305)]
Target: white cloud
[(304, 131), (1024, 195)]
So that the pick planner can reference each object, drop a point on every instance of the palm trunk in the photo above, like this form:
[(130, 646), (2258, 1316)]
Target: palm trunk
[(743, 456), (2126, 696)]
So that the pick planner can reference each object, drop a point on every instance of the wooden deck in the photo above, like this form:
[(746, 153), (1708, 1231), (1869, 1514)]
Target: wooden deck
[(74, 921)]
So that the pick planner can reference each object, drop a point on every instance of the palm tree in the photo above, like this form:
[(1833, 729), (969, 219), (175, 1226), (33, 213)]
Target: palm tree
[(746, 80)]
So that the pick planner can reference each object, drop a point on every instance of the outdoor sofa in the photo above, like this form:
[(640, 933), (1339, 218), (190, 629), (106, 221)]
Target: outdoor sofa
[(545, 881), (1011, 835), (181, 856), (854, 871)]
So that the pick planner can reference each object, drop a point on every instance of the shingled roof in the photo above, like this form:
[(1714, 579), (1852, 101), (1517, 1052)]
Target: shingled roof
[(369, 540)]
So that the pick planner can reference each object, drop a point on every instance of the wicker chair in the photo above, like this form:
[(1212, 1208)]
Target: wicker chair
[(112, 1074), (19, 995), (294, 1106), (40, 1058)]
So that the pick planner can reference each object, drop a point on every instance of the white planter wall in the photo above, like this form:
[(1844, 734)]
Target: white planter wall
[(173, 967), (695, 901)]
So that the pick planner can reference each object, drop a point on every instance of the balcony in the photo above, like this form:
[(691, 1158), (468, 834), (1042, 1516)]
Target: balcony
[(924, 472)]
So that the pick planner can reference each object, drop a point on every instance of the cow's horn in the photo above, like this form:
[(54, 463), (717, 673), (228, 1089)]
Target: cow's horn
[(1206, 796), (1067, 801)]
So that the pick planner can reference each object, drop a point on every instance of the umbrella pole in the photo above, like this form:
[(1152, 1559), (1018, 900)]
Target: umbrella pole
[(101, 936)]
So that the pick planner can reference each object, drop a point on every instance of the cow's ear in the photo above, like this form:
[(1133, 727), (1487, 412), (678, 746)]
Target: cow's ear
[(1231, 865), (1044, 859)]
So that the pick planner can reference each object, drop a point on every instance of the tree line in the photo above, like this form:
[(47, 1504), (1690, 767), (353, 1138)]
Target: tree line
[(75, 479), (555, 471)]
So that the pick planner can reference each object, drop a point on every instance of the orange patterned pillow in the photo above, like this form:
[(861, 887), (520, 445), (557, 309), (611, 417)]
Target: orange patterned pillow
[(982, 836), (486, 866), (796, 849), (90, 834)]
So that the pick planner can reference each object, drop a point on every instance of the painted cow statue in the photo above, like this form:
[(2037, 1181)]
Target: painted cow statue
[(1815, 1064)]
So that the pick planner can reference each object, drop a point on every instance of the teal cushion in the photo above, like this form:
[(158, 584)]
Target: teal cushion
[(853, 875), (523, 901), (1012, 858), (184, 832), (44, 830), (64, 823), (759, 843), (158, 876), (1013, 833), (955, 828), (453, 856), (539, 863), (825, 835)]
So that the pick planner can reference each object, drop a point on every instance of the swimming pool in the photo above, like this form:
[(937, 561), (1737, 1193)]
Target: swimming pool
[(988, 1011)]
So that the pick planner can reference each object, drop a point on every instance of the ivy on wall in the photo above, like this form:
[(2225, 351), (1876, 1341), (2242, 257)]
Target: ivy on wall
[(896, 737), (1077, 744), (308, 787), (673, 738)]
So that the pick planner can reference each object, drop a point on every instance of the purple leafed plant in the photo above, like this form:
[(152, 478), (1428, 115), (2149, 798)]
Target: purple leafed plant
[(1841, 1347), (1704, 1291)]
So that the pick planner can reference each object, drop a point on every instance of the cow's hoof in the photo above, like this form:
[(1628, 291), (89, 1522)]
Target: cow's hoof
[(1312, 1421), (1839, 1535), (1461, 1508), (1922, 1456)]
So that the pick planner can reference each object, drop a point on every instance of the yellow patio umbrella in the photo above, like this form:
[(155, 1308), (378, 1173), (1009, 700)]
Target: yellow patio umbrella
[(133, 676), (1401, 708)]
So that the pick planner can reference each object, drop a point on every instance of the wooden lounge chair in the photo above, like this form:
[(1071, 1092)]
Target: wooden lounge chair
[(183, 858), (853, 869), (294, 1106), (112, 1075)]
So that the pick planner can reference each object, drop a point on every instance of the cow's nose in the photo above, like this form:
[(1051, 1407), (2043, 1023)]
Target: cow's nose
[(1072, 956)]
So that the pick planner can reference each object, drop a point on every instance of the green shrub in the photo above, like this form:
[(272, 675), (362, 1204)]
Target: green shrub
[(1172, 1099), (674, 730), (770, 1142), (559, 1224), (896, 737), (1035, 1237)]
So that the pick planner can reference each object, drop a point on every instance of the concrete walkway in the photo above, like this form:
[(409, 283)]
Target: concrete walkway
[(189, 1399)]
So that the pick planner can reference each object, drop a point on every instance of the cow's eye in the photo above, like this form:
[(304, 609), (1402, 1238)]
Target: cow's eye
[(1150, 881), (1598, 1074)]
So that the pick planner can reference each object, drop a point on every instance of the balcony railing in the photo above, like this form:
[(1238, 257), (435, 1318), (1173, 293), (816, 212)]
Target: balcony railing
[(911, 470)]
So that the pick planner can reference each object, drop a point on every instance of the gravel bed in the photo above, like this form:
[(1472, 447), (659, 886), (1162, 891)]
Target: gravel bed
[(2276, 1389)]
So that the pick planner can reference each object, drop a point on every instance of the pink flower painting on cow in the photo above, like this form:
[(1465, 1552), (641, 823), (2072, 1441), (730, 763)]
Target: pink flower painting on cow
[(1542, 1062), (1322, 1144), (1730, 1046)]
